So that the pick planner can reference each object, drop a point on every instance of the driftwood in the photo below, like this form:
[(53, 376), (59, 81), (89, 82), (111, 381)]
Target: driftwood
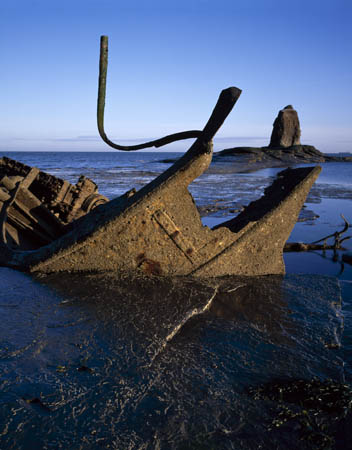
[(306, 247)]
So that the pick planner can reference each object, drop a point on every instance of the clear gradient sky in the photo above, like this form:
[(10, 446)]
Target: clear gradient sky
[(168, 62)]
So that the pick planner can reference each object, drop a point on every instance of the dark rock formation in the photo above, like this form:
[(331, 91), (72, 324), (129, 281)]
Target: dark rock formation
[(286, 131), (284, 148), (276, 157)]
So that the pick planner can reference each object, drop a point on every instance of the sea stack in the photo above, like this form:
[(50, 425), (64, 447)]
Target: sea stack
[(286, 129)]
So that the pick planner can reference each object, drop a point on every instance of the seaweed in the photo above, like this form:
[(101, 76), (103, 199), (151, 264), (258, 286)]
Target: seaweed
[(313, 408)]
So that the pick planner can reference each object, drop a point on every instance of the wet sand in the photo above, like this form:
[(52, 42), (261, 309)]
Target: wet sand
[(91, 361)]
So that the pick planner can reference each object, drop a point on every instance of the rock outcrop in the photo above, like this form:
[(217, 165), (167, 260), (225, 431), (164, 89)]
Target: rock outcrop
[(286, 129), (255, 158), (284, 149)]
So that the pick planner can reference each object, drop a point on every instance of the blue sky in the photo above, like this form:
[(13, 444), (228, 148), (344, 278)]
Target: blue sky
[(168, 62)]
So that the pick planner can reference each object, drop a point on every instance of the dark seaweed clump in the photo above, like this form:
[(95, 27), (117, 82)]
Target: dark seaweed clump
[(312, 408)]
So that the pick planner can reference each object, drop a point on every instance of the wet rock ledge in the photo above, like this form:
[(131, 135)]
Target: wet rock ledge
[(295, 154), (285, 145)]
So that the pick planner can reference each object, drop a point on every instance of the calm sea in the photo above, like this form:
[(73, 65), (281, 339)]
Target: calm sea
[(91, 361)]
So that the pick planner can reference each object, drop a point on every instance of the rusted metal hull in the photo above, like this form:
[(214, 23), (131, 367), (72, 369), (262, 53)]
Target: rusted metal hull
[(158, 230)]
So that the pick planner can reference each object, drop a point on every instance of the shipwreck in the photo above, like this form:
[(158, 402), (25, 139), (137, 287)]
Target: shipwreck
[(49, 225)]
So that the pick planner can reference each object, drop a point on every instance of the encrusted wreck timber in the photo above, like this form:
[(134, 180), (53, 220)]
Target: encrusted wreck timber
[(36, 208)]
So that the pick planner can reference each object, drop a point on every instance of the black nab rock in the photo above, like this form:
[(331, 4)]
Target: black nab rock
[(286, 129)]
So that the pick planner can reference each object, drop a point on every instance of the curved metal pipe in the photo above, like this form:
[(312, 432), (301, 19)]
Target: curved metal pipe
[(103, 65)]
